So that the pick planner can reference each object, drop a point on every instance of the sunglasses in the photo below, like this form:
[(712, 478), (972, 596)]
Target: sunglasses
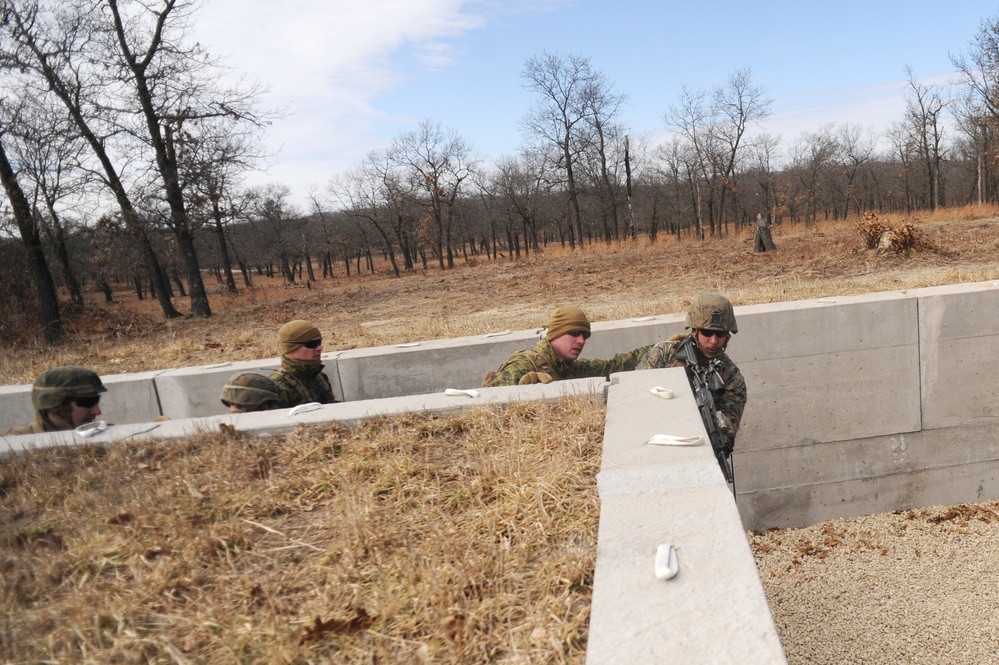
[(87, 402), (313, 343), (577, 333), (714, 333)]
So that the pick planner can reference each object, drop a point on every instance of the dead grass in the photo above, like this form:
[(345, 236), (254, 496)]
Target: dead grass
[(610, 281), (458, 539)]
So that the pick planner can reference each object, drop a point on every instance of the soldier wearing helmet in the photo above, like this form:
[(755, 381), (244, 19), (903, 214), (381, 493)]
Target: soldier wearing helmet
[(248, 392), (64, 398), (711, 322)]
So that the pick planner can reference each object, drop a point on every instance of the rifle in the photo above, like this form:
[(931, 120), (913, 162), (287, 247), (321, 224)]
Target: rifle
[(705, 381)]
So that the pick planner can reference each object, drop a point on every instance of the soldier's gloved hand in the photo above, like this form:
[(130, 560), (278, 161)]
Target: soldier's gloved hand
[(726, 428), (535, 377)]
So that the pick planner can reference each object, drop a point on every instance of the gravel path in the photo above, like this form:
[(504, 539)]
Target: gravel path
[(914, 586)]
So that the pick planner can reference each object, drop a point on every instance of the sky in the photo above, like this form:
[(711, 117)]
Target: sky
[(351, 75)]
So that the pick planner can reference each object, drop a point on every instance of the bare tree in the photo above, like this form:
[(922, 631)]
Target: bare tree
[(714, 124), (43, 54), (48, 301), (979, 72), (173, 86), (923, 108), (211, 166), (812, 155), (367, 196), (856, 148), (136, 91), (436, 162), (736, 106), (565, 88), (48, 154), (273, 218)]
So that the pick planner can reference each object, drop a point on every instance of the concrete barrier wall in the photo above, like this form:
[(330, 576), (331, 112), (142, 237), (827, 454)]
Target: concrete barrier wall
[(868, 404), (857, 404), (714, 610)]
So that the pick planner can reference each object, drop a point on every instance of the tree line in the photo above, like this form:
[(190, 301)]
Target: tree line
[(123, 157)]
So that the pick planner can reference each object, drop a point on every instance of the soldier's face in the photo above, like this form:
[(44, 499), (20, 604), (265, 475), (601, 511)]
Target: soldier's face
[(569, 345), (712, 342), (312, 350), (81, 411)]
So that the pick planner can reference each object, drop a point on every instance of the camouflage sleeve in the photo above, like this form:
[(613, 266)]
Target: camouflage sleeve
[(510, 372), (622, 362), (733, 401), (658, 356)]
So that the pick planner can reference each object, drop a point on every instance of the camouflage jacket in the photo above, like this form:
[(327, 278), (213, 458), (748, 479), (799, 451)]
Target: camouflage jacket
[(542, 358), (301, 383), (731, 401), (39, 425)]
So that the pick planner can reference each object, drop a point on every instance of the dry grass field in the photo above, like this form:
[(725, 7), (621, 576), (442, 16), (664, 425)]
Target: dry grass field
[(421, 539), (465, 539), (615, 281)]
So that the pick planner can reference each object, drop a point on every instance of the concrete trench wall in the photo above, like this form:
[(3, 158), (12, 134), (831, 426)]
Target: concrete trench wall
[(857, 405)]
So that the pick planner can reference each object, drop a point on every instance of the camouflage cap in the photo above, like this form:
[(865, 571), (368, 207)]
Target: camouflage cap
[(55, 386), (250, 390), (711, 311)]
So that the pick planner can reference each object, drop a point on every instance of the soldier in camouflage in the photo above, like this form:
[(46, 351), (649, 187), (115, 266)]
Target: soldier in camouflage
[(301, 379), (556, 356), (711, 321), (248, 392), (64, 398)]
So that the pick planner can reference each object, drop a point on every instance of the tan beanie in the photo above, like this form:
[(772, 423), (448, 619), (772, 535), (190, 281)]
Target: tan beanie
[(294, 333), (566, 318)]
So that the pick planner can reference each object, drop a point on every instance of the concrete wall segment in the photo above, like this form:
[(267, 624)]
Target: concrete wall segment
[(714, 610), (193, 392), (831, 396), (804, 505), (959, 339)]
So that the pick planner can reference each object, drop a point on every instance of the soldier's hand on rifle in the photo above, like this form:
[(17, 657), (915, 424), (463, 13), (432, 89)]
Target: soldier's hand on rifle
[(726, 428), (535, 377)]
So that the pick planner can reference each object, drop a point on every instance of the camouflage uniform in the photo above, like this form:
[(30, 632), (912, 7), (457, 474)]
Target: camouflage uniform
[(38, 426), (731, 401), (301, 383), (542, 359)]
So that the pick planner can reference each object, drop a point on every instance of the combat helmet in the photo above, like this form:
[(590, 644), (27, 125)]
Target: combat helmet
[(250, 391), (711, 311), (54, 386)]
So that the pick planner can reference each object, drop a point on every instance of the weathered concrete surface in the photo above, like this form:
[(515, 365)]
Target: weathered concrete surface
[(903, 416), (714, 610), (959, 339), (284, 420)]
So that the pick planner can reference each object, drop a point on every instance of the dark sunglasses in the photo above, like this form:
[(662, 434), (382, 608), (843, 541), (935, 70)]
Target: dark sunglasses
[(87, 402), (714, 333), (313, 343), (577, 333)]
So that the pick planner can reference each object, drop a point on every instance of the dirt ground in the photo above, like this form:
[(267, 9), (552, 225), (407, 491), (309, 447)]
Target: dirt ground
[(610, 281)]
